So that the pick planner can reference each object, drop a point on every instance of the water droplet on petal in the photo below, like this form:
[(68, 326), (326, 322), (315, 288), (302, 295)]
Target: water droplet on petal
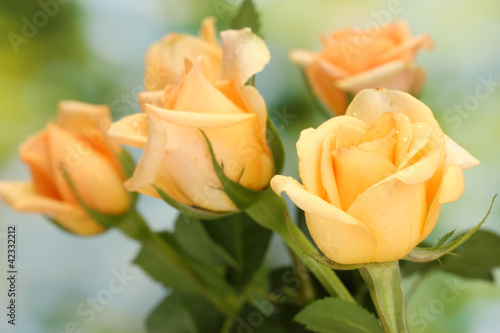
[(405, 138), (354, 114), (135, 124), (419, 126)]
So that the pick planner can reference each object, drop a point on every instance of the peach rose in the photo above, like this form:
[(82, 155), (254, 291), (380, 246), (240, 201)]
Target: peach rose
[(374, 179), (75, 142), (165, 59), (233, 115), (353, 60)]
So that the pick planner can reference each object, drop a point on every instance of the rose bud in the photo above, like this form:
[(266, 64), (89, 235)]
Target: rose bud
[(176, 157), (165, 59), (76, 144), (374, 180), (353, 60)]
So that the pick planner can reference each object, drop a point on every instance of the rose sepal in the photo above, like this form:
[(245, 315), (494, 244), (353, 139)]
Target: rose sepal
[(241, 196), (425, 254), (105, 220)]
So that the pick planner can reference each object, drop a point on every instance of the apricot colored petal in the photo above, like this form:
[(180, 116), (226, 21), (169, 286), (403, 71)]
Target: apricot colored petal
[(398, 75), (357, 170), (370, 104), (410, 47), (404, 138), (302, 57), (199, 120), (309, 202), (450, 189), (310, 147), (327, 171), (150, 97), (22, 197), (323, 86), (36, 153), (421, 171), (131, 130), (148, 167), (93, 175), (165, 59), (79, 117), (456, 155), (198, 94), (208, 31), (394, 212), (244, 54), (255, 104), (332, 229)]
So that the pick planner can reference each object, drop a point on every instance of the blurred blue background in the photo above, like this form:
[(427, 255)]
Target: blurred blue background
[(93, 51)]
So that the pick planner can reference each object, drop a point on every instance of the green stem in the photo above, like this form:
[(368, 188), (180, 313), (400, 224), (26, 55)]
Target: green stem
[(384, 283), (270, 212), (307, 293), (136, 228)]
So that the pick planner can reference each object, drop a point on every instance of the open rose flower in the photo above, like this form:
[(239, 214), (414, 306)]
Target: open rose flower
[(77, 143), (233, 115), (165, 59), (353, 60), (374, 180)]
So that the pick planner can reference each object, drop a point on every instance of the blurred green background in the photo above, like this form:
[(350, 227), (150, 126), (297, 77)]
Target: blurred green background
[(93, 51)]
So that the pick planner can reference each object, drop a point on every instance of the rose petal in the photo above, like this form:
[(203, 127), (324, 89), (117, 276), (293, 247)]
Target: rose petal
[(165, 59), (93, 175), (310, 147), (332, 229), (199, 120), (450, 189), (208, 32), (327, 172), (394, 212), (147, 169), (255, 104), (370, 104), (150, 97), (243, 55), (22, 197), (198, 94), (35, 152), (356, 171), (456, 155), (322, 86), (131, 130), (397, 75), (404, 137)]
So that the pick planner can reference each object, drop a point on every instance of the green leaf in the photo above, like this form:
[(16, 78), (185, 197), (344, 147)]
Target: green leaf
[(236, 242), (241, 196), (194, 212), (166, 263), (276, 145), (192, 235), (247, 16), (476, 258), (183, 313), (331, 315), (419, 254)]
